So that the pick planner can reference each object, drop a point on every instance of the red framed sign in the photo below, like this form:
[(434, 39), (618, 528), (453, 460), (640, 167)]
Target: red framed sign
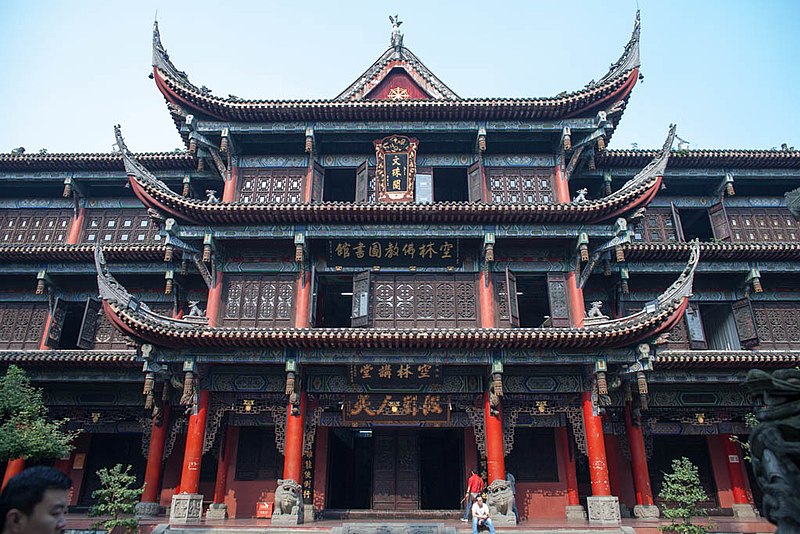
[(396, 168)]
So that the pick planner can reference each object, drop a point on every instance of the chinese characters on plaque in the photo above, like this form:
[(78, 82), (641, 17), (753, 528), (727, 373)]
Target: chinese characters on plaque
[(394, 252), (397, 408), (396, 168), (395, 374)]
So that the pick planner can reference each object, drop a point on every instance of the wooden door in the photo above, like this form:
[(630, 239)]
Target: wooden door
[(395, 484)]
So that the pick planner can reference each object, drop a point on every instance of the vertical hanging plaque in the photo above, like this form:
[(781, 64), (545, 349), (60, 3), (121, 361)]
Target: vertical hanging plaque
[(396, 168)]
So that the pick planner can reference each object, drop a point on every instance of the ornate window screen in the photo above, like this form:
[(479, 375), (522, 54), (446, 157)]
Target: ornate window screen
[(778, 324), (519, 185), (657, 227), (425, 301), (266, 186), (109, 338), (34, 226), (763, 225), (121, 227), (259, 301), (21, 325)]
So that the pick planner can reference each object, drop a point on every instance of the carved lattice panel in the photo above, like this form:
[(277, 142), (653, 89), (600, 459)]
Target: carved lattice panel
[(18, 227), (656, 227), (107, 337), (272, 186), (425, 301), (770, 225), (520, 185), (778, 324), (21, 325), (265, 301), (120, 226)]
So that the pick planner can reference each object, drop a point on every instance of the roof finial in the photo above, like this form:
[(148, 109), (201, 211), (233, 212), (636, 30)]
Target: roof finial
[(397, 35)]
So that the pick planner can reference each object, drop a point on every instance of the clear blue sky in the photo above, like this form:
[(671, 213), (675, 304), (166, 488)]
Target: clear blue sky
[(724, 70)]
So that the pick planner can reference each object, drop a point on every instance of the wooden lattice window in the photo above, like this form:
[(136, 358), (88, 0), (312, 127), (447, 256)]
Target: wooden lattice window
[(778, 324), (40, 226), (265, 301), (424, 301), (520, 185), (120, 226), (109, 338), (266, 186), (763, 225), (21, 325), (657, 227)]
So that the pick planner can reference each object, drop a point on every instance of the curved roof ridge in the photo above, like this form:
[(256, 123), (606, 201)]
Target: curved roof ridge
[(630, 58)]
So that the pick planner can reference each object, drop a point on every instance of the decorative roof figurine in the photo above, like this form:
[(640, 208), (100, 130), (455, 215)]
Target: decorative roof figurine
[(397, 36)]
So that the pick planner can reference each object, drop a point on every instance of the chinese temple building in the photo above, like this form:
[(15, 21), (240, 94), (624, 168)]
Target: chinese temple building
[(330, 306)]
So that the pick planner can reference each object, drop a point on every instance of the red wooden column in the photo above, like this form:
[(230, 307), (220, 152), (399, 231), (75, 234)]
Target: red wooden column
[(486, 298), (641, 473), (577, 308), (155, 458), (13, 468), (568, 453), (495, 456), (735, 469), (214, 300), (293, 446), (221, 485), (229, 189), (302, 311), (561, 186), (75, 227), (596, 449), (193, 454)]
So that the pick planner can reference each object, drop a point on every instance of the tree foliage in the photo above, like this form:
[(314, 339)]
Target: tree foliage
[(25, 430), (116, 499), (681, 493)]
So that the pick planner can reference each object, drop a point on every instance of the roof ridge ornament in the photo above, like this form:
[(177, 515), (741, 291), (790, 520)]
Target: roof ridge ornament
[(161, 59), (396, 38), (630, 58)]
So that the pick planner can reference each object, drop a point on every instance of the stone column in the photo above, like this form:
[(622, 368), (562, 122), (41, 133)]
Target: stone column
[(645, 507), (733, 461), (574, 509), (187, 504), (149, 505), (13, 468), (603, 508)]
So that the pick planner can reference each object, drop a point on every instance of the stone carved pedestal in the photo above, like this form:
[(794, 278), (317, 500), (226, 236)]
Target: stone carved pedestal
[(744, 511), (148, 509), (575, 513), (186, 508), (217, 511), (647, 512), (603, 510)]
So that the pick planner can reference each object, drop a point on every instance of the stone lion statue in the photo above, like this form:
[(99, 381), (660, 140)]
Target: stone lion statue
[(500, 499), (596, 310), (288, 498), (774, 444)]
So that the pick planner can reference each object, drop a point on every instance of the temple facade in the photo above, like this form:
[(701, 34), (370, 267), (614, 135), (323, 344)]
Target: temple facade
[(325, 306)]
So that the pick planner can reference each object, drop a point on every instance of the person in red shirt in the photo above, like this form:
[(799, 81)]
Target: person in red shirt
[(475, 487)]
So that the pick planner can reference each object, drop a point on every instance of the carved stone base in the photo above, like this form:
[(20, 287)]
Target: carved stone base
[(504, 520), (148, 509), (603, 510), (646, 512), (283, 520), (217, 511), (186, 508), (744, 511), (575, 513), (308, 513)]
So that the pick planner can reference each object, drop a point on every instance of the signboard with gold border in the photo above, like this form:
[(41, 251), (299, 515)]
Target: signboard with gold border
[(396, 168), (396, 408)]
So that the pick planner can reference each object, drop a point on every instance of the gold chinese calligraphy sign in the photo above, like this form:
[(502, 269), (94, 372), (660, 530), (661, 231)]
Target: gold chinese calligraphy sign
[(395, 375), (395, 168), (397, 408), (394, 252)]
